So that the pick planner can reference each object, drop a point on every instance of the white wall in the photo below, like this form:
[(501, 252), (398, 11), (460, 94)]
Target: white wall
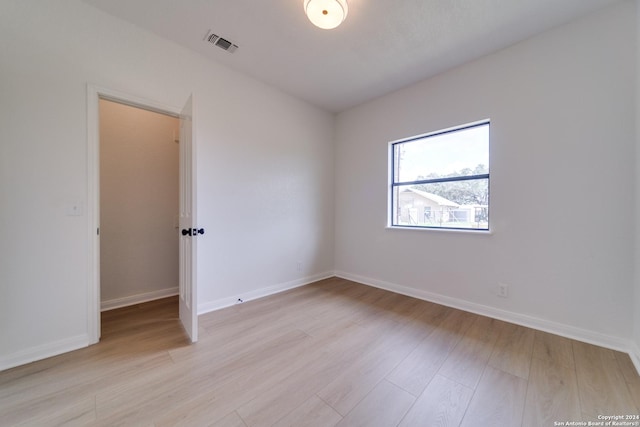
[(138, 204), (250, 139), (562, 110), (265, 194)]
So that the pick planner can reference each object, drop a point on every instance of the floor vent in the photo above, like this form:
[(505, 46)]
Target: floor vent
[(222, 43)]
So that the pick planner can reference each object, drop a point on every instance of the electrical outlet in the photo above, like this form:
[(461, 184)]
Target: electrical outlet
[(503, 290)]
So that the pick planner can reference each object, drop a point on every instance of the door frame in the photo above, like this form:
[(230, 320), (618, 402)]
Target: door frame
[(94, 94)]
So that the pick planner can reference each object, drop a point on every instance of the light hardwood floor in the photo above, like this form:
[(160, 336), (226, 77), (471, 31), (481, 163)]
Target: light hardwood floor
[(334, 353)]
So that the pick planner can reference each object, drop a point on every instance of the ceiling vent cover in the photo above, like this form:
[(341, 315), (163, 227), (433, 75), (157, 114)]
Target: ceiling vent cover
[(216, 40)]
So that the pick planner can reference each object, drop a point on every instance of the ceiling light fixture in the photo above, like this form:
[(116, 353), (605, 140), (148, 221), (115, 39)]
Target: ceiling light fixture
[(326, 14)]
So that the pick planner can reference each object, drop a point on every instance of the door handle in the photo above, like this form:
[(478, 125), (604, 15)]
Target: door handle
[(192, 231)]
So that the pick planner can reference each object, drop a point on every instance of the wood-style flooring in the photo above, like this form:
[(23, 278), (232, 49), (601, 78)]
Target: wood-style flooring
[(334, 353)]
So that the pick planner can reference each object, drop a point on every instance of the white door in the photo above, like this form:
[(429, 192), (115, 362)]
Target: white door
[(188, 232)]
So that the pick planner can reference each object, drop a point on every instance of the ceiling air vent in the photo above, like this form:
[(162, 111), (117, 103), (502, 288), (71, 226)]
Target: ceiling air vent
[(216, 40)]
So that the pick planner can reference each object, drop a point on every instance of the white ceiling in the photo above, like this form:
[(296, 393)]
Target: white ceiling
[(383, 45)]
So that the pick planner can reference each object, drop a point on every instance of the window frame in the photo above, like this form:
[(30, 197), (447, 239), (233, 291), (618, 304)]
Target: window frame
[(393, 185)]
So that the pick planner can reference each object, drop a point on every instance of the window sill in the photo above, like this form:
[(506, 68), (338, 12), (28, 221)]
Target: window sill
[(442, 230)]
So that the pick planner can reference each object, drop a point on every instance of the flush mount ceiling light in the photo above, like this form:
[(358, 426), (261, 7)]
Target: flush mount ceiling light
[(326, 14)]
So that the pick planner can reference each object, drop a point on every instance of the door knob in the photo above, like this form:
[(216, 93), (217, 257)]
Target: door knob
[(192, 231)]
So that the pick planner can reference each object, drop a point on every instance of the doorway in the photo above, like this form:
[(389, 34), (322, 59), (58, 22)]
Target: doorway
[(186, 286), (139, 196)]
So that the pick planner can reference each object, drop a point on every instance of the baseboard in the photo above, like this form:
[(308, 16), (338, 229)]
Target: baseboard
[(137, 299), (209, 306), (579, 334), (74, 343), (634, 354), (43, 351)]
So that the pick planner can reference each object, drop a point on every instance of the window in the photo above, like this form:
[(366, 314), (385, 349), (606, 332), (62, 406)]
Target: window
[(441, 180)]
